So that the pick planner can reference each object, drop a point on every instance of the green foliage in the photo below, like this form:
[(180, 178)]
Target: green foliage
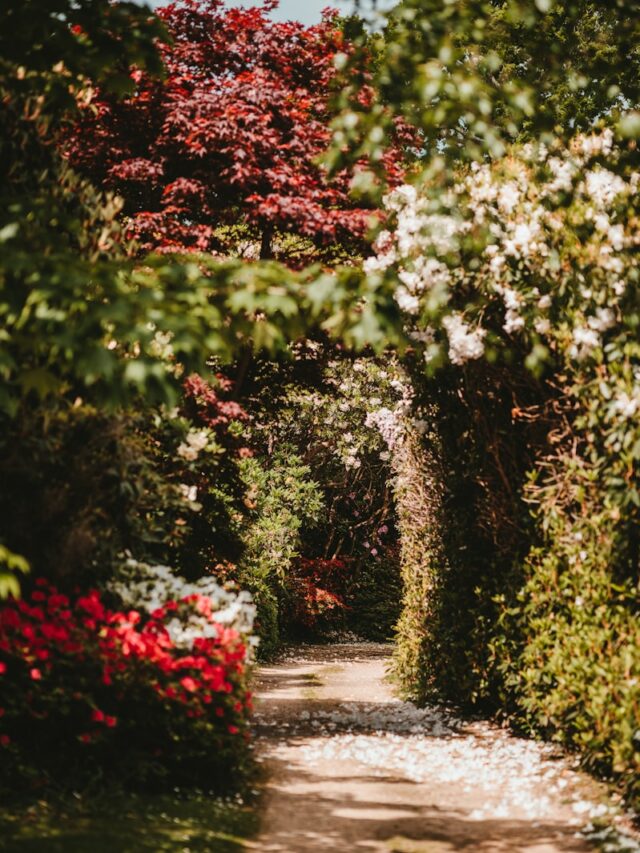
[(84, 487), (50, 49), (374, 597), (319, 404), (569, 640), (11, 564), (283, 501), (472, 77)]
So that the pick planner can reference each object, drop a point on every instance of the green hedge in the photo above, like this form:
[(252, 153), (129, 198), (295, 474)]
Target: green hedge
[(531, 615)]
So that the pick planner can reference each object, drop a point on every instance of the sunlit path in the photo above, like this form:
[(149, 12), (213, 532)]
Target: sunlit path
[(351, 767)]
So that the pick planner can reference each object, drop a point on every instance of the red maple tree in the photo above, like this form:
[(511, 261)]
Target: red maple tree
[(231, 134)]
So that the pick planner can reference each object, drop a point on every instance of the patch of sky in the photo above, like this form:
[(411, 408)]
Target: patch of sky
[(308, 11)]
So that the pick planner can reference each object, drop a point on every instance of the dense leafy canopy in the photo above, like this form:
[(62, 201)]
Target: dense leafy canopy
[(230, 135), (476, 76)]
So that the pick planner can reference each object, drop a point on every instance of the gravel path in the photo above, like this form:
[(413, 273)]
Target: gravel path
[(352, 768)]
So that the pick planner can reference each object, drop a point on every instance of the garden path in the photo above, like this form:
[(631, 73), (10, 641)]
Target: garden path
[(350, 767)]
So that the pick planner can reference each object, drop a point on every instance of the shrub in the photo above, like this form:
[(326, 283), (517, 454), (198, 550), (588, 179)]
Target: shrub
[(529, 264), (568, 642), (283, 501), (315, 590), (374, 597), (88, 691)]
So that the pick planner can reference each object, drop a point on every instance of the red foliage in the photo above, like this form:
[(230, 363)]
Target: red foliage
[(233, 131), (204, 404), (317, 587)]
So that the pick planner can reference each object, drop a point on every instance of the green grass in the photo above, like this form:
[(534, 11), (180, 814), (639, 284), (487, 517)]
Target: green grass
[(120, 823)]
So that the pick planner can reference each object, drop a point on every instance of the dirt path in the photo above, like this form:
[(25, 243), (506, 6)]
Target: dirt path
[(351, 767)]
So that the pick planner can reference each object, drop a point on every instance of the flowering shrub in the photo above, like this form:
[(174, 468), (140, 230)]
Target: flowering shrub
[(335, 413), (538, 248), (144, 587), (85, 687), (316, 589), (530, 261)]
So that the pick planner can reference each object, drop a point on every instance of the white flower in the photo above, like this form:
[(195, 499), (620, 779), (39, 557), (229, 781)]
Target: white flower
[(585, 341), (508, 197), (563, 172), (513, 321), (196, 441), (544, 302), (592, 146), (161, 345), (602, 186), (522, 242), (400, 197), (604, 319), (388, 423), (378, 263), (542, 326), (407, 301), (189, 493), (464, 344), (627, 405)]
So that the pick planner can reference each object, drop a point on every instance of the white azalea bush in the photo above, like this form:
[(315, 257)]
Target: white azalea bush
[(541, 246), (145, 587), (529, 265)]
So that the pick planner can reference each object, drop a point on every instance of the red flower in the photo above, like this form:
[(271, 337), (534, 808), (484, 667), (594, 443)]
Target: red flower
[(3, 668), (5, 740), (35, 674)]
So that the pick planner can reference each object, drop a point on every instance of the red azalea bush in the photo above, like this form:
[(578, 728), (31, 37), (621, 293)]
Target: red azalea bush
[(85, 690)]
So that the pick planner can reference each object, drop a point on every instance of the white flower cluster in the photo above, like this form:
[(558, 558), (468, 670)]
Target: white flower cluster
[(195, 442), (419, 235), (391, 423), (388, 423), (521, 229), (190, 496), (465, 344), (144, 587)]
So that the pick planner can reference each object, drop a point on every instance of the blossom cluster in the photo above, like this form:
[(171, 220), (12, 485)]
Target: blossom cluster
[(536, 251), (73, 670), (147, 588)]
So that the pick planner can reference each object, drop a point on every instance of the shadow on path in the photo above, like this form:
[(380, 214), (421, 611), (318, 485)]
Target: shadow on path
[(352, 768)]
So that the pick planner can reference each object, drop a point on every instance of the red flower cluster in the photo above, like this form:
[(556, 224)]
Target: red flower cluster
[(102, 670), (205, 405)]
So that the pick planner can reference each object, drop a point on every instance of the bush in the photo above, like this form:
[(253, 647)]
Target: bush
[(142, 698), (315, 591), (374, 598), (283, 501), (568, 645)]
